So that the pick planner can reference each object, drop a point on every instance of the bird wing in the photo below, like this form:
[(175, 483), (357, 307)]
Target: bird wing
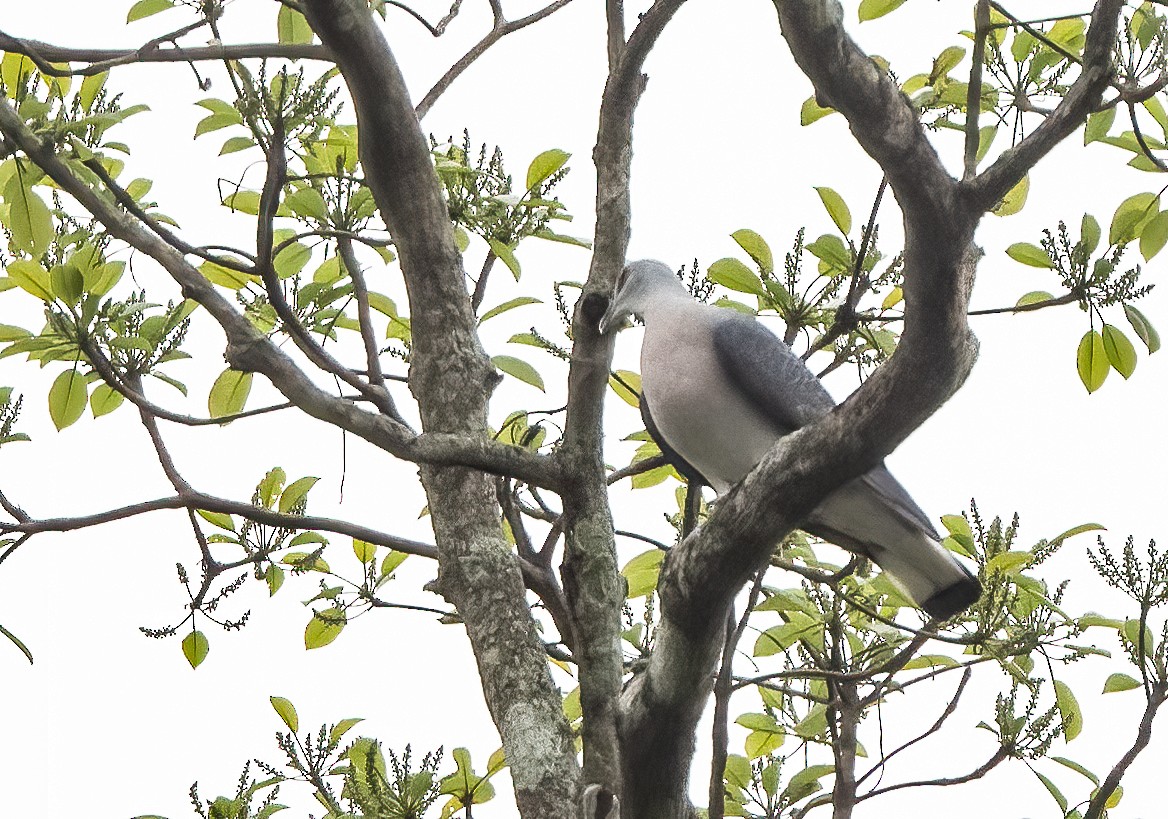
[(765, 371), (679, 463)]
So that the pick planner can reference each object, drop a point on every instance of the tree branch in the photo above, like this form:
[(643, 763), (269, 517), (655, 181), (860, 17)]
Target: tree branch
[(1157, 697), (451, 378), (1083, 97), (499, 30), (103, 59)]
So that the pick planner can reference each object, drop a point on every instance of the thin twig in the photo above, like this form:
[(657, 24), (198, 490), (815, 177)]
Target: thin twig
[(364, 316), (981, 30)]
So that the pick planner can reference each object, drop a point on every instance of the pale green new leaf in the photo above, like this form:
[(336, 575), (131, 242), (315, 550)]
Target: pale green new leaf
[(195, 648), (837, 209), (871, 9), (1120, 352), (287, 712), (1034, 297), (1154, 235), (518, 368), (756, 247), (229, 393), (1120, 682), (641, 572), (1069, 708), (506, 254), (1029, 254), (519, 301), (295, 492), (67, 398), (104, 400), (544, 165), (733, 274), (1131, 216), (1091, 361), (324, 627), (145, 8), (291, 27), (1143, 328)]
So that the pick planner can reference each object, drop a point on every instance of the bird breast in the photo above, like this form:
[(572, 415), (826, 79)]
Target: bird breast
[(696, 408)]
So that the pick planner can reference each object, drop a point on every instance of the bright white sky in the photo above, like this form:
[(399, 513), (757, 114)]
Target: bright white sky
[(110, 724)]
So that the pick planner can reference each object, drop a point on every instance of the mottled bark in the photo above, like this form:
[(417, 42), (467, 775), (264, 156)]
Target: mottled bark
[(592, 581), (452, 378)]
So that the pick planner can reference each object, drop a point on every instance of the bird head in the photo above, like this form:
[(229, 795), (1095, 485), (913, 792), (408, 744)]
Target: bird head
[(639, 284)]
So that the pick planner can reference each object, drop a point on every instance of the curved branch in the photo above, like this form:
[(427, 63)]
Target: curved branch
[(103, 59), (988, 188), (499, 30), (212, 503)]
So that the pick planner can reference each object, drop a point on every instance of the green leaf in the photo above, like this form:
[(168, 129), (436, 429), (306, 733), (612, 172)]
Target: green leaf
[(67, 398), (292, 28), (390, 562), (735, 275), (295, 492), (1154, 235), (365, 551), (761, 743), (104, 400), (1092, 362), (229, 393), (218, 519), (226, 277), (1120, 682), (31, 278), (324, 627), (274, 577), (806, 782), (29, 218), (1029, 254), (518, 368), (1090, 233), (837, 209), (195, 648), (67, 283), (1077, 530), (509, 305), (235, 144), (1144, 329), (1015, 199), (287, 712), (1069, 708), (1131, 216), (626, 384), (1054, 791), (342, 728), (1076, 767), (1034, 297), (544, 165), (812, 111), (1132, 633), (1098, 124), (756, 247), (145, 8), (832, 250), (871, 9), (931, 661), (1120, 352), (90, 87), (642, 571), (16, 641), (506, 254)]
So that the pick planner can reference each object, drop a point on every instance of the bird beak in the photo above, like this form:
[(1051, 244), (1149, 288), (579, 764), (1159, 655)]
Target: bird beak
[(612, 319)]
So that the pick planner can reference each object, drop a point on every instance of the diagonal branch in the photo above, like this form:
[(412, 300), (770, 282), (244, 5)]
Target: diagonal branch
[(499, 30), (1083, 97)]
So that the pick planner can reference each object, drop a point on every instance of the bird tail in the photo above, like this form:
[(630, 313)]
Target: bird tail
[(874, 516)]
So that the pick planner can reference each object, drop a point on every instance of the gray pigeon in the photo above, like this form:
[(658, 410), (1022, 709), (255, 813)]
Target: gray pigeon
[(719, 389)]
